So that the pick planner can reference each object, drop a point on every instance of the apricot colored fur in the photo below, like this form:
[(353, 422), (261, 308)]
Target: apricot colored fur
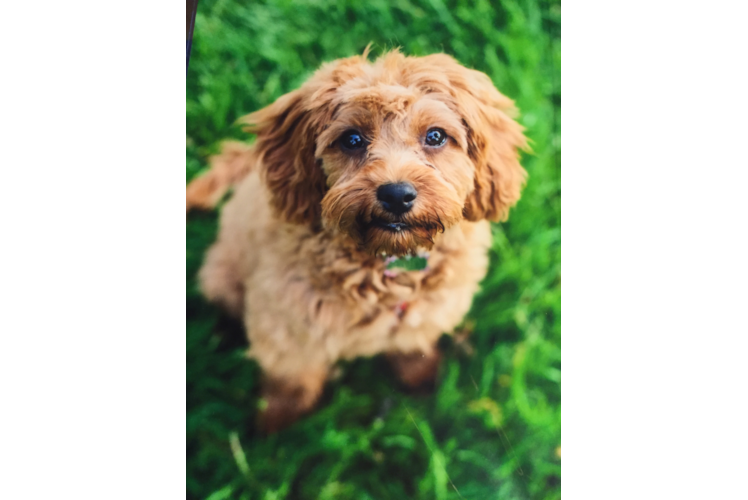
[(298, 257)]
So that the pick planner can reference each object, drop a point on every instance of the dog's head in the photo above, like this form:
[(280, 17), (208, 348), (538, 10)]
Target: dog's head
[(392, 152)]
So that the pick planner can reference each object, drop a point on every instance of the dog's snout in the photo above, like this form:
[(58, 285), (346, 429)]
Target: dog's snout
[(397, 198)]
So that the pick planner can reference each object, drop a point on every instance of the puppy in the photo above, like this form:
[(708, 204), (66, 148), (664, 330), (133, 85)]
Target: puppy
[(365, 163)]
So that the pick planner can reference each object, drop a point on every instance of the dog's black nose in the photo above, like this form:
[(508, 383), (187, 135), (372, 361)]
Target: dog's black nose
[(397, 198)]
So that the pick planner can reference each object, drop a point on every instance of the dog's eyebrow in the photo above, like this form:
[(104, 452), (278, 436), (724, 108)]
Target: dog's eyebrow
[(335, 111)]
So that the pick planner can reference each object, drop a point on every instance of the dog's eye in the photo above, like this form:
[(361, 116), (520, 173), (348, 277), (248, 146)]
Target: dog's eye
[(351, 140), (436, 137)]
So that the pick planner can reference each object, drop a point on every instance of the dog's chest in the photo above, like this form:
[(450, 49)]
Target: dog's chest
[(314, 287)]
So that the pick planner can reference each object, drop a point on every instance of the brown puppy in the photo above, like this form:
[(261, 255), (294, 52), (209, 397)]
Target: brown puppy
[(365, 161)]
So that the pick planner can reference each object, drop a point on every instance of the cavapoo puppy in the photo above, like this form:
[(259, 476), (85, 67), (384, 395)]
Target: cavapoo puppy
[(365, 164)]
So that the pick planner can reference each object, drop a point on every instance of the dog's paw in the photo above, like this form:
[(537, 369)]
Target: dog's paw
[(425, 388), (417, 371), (284, 401), (277, 413)]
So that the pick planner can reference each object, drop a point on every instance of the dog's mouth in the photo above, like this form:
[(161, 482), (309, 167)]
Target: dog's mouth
[(394, 227), (399, 236)]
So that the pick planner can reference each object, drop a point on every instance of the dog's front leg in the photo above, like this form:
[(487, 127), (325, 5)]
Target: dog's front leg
[(286, 399)]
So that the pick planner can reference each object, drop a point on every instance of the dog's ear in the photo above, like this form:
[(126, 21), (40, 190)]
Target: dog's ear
[(286, 134), (494, 141)]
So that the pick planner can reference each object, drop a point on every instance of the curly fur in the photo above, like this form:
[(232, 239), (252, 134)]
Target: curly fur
[(298, 256)]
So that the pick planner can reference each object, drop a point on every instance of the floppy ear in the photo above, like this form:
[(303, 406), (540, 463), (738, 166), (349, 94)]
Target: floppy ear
[(494, 142), (285, 146)]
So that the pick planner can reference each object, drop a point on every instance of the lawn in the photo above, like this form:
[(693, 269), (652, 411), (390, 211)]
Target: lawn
[(492, 428)]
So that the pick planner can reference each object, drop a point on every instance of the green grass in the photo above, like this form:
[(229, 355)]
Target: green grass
[(492, 428)]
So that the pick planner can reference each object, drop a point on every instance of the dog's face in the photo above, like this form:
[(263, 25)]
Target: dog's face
[(391, 153)]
